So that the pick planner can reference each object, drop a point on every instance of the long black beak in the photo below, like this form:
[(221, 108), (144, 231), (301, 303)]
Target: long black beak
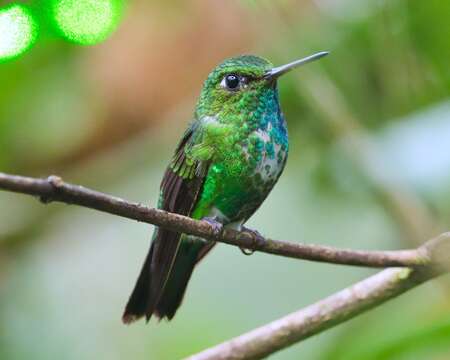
[(276, 72)]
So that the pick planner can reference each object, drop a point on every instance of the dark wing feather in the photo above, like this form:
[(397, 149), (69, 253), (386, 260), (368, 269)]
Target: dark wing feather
[(180, 189)]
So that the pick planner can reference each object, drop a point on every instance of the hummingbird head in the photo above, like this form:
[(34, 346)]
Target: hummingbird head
[(243, 85)]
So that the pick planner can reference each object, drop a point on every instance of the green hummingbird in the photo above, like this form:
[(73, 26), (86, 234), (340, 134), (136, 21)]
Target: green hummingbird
[(227, 162)]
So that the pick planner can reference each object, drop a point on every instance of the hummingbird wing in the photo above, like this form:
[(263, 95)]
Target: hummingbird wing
[(180, 189)]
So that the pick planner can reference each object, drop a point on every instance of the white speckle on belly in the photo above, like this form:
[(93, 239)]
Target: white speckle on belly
[(268, 168), (263, 135)]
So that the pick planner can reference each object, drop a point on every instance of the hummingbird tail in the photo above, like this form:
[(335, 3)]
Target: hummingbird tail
[(163, 300), (177, 281), (189, 254), (138, 303)]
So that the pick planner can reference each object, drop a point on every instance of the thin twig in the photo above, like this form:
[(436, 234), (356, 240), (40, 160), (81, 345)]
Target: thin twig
[(332, 310), (55, 189)]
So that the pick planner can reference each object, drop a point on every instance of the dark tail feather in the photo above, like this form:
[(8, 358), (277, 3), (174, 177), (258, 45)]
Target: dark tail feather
[(189, 255), (164, 276), (177, 282), (153, 277), (138, 303)]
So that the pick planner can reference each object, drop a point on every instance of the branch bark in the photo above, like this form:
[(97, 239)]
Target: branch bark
[(54, 189), (315, 318), (332, 310)]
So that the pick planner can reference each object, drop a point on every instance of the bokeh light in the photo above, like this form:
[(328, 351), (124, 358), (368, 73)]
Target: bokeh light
[(86, 22), (17, 31)]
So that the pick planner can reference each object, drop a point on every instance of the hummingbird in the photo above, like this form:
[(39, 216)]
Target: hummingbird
[(225, 165)]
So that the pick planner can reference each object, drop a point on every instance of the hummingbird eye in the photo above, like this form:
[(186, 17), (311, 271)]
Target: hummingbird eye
[(231, 82)]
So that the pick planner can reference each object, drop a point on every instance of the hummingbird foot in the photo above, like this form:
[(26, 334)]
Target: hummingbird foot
[(257, 238), (217, 226)]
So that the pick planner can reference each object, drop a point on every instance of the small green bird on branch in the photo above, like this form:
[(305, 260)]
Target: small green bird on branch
[(226, 164)]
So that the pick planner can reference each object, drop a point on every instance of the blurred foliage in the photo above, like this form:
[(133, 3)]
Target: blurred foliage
[(369, 158)]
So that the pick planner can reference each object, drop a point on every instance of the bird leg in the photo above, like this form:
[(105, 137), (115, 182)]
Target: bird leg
[(218, 229), (256, 236), (217, 226)]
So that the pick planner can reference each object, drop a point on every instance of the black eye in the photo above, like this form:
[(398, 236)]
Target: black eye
[(232, 81)]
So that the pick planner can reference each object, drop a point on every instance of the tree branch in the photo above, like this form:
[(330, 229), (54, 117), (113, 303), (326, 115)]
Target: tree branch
[(419, 265), (54, 189), (332, 310)]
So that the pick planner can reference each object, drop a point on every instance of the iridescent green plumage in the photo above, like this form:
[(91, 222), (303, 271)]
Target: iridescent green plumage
[(228, 161)]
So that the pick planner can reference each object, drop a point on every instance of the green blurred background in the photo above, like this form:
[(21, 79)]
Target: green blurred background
[(369, 168)]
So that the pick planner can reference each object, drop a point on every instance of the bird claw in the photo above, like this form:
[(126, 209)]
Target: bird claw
[(217, 226), (246, 252), (256, 236)]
